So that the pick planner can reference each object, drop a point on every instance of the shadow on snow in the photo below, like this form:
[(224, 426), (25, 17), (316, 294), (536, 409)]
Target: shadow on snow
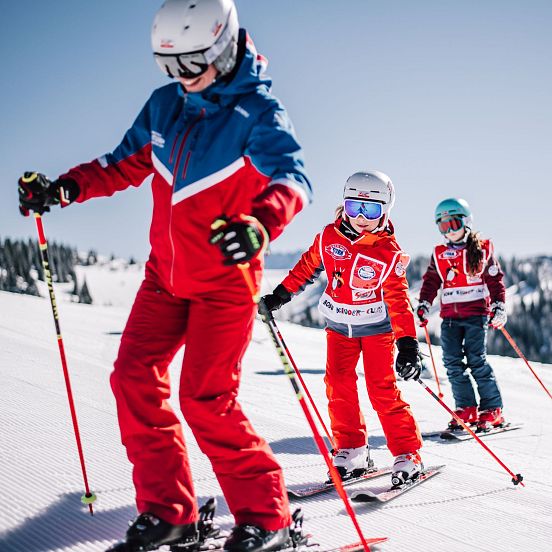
[(63, 524)]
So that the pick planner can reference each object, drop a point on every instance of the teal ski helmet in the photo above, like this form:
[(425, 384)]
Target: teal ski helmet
[(453, 207)]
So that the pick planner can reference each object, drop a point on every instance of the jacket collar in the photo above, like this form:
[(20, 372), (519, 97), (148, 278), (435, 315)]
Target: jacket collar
[(344, 228), (248, 76)]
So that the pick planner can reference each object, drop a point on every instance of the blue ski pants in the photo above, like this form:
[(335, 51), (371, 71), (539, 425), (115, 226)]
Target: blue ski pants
[(464, 342)]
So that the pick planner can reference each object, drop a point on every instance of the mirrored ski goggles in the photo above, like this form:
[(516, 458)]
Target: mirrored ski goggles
[(193, 64), (187, 66), (370, 210), (450, 224)]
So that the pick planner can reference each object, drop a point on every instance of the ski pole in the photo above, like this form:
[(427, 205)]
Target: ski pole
[(516, 478), (522, 356), (88, 498), (428, 341), (304, 385), (219, 223), (244, 268), (283, 353)]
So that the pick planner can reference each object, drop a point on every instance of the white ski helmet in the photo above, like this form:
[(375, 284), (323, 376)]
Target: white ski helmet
[(189, 35), (372, 186)]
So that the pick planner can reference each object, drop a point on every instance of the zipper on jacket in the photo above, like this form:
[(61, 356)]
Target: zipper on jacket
[(185, 167), (175, 176), (171, 156)]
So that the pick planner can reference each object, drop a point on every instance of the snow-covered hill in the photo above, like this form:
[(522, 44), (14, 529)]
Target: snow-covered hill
[(471, 506)]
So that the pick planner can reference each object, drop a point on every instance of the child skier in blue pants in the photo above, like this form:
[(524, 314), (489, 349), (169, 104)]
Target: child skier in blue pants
[(472, 297)]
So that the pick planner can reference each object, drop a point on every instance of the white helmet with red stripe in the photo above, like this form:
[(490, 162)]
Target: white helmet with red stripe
[(204, 30), (372, 186)]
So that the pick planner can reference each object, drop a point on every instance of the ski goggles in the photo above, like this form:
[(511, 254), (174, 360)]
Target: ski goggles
[(187, 66), (370, 210), (450, 224), (193, 64)]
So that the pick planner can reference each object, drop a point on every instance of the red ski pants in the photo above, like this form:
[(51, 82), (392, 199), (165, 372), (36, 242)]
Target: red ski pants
[(216, 330), (347, 421)]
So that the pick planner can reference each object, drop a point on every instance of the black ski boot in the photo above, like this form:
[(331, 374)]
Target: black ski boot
[(250, 538), (148, 532)]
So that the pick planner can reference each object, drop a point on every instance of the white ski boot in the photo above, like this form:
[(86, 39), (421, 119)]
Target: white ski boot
[(352, 462), (406, 467)]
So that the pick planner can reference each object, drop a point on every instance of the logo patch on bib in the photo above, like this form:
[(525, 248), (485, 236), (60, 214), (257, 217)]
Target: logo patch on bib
[(338, 252)]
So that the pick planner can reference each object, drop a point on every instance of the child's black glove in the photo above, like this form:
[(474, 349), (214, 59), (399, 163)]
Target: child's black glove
[(408, 364), (278, 298)]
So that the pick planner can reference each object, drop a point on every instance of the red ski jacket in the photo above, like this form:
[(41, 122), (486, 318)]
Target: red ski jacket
[(226, 151), (367, 291), (462, 294)]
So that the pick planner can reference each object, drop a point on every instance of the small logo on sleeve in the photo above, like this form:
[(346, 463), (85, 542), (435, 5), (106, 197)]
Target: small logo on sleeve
[(400, 269), (157, 139)]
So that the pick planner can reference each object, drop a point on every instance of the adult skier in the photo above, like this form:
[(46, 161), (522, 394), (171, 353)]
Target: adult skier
[(367, 312), (227, 169), (472, 296)]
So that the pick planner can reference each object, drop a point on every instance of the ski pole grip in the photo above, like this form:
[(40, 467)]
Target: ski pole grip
[(264, 312)]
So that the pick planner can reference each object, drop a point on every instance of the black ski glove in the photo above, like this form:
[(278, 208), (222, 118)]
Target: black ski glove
[(37, 193), (240, 239), (408, 364), (278, 298)]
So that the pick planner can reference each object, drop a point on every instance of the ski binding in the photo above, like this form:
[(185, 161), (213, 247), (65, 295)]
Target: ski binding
[(394, 491), (463, 435)]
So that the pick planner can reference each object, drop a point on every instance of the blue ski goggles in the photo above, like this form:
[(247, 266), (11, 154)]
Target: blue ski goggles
[(370, 210), (450, 224)]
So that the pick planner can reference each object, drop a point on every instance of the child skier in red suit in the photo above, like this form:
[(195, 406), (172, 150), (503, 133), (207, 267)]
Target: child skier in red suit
[(473, 292), (366, 308)]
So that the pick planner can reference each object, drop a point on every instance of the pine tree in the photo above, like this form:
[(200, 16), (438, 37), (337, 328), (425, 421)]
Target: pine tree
[(84, 294)]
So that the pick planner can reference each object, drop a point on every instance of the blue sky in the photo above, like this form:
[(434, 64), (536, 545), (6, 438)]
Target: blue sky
[(449, 98)]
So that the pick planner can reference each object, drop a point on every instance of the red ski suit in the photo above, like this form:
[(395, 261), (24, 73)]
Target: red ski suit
[(366, 308), (228, 150)]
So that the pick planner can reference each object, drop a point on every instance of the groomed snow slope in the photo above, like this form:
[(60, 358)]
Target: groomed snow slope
[(471, 506)]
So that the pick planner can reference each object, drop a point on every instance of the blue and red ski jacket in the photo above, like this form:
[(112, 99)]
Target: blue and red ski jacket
[(228, 150)]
